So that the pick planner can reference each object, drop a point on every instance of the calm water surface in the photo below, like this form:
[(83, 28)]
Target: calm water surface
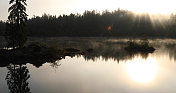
[(109, 69)]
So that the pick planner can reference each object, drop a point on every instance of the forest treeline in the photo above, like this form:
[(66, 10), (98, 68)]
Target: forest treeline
[(121, 23)]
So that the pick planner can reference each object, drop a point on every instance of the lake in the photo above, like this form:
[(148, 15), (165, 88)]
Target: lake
[(107, 69)]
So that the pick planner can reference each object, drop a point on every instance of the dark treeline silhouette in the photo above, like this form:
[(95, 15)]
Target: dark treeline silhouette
[(2, 27), (92, 23)]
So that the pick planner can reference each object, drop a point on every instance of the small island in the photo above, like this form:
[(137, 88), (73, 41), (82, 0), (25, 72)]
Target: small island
[(142, 46)]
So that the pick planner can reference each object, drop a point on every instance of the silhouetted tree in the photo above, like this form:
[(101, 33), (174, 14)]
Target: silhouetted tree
[(15, 31)]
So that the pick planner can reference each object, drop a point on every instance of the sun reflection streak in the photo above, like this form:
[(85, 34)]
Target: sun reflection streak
[(141, 70)]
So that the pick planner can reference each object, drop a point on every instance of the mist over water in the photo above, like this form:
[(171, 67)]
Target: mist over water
[(109, 68), (88, 46)]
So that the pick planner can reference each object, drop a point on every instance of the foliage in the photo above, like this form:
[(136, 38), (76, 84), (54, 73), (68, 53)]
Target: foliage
[(92, 23), (121, 23), (15, 26), (2, 27)]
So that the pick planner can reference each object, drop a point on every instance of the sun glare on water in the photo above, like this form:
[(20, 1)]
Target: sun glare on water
[(141, 70)]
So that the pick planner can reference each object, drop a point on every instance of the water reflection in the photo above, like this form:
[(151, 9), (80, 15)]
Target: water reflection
[(108, 48), (18, 74), (142, 70), (17, 77), (171, 50), (81, 72), (115, 54)]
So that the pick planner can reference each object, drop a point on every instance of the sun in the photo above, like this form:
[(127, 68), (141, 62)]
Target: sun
[(142, 71)]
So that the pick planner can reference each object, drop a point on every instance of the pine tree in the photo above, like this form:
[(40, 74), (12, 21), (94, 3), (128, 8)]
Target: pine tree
[(15, 26)]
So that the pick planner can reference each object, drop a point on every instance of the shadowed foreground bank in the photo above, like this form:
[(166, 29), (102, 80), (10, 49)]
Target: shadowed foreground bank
[(36, 54)]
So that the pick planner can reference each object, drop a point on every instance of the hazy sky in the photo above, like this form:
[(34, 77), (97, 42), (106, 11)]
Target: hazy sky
[(57, 7)]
